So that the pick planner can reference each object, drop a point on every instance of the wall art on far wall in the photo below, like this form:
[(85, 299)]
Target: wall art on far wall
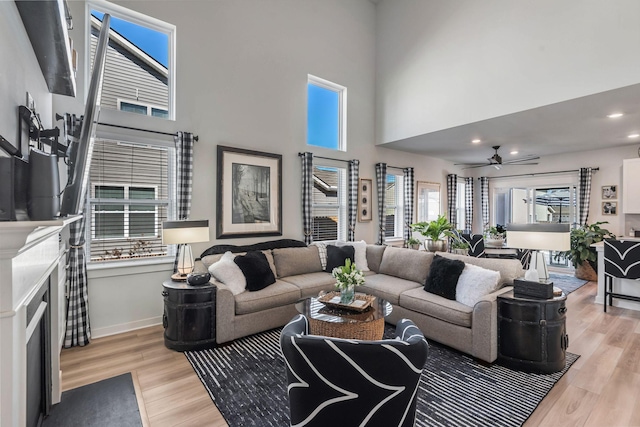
[(249, 193), (609, 191), (364, 200), (609, 208)]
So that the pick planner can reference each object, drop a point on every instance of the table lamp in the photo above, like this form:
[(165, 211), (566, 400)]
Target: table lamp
[(538, 237), (182, 233)]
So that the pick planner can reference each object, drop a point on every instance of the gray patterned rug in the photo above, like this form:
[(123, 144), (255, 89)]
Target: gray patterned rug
[(246, 380), (566, 282)]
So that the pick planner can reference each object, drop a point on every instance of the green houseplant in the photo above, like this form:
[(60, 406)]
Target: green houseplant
[(435, 232), (458, 245), (413, 243), (582, 255)]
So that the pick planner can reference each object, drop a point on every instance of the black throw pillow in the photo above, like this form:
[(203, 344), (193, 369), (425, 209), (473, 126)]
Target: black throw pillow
[(443, 276), (256, 270), (337, 255)]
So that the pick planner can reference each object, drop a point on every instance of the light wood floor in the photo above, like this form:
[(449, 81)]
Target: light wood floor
[(601, 389)]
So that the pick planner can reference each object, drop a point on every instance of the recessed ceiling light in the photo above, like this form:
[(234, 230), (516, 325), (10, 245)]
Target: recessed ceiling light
[(633, 135), (514, 152), (476, 141), (615, 115)]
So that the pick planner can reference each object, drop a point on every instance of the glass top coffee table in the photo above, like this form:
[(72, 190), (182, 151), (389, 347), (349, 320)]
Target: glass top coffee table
[(341, 323)]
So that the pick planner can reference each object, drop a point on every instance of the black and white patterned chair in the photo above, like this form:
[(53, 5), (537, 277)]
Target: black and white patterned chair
[(524, 255), (622, 261), (476, 244), (338, 382)]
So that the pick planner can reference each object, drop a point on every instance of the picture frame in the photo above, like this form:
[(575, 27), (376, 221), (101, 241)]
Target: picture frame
[(427, 201), (609, 208), (249, 193), (609, 192), (365, 193)]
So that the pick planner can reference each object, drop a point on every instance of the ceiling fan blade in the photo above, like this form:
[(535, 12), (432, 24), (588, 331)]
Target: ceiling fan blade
[(524, 159), (519, 164), (478, 166)]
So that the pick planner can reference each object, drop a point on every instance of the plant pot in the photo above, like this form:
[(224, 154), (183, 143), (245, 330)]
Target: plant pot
[(435, 245), (460, 251), (493, 243), (585, 272), (415, 246)]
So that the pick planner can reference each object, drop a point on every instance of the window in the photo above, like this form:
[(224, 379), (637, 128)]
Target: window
[(460, 207), (129, 199), (140, 61), (326, 114), (329, 203), (427, 201), (394, 200)]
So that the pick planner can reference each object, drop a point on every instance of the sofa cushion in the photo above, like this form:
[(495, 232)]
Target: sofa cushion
[(509, 269), (374, 256), (337, 256), (210, 259), (311, 284), (436, 306), (387, 287), (292, 261), (443, 277), (406, 264), (256, 270), (360, 253), (226, 271), (474, 283), (276, 295)]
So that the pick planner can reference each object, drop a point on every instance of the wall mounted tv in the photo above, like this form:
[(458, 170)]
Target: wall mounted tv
[(81, 148)]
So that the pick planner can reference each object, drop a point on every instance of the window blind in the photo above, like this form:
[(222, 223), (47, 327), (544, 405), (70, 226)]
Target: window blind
[(329, 203)]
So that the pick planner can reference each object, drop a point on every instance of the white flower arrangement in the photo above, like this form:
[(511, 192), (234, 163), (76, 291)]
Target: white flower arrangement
[(347, 275)]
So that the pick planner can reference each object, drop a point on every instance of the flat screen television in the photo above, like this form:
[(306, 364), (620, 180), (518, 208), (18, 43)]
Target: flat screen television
[(81, 148)]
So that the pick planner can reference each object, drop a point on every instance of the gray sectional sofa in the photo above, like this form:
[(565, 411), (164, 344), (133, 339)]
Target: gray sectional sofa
[(397, 275)]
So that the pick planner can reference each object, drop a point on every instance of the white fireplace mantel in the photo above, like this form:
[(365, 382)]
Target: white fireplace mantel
[(30, 253)]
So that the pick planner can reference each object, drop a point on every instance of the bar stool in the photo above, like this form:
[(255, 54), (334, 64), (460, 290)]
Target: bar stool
[(621, 261)]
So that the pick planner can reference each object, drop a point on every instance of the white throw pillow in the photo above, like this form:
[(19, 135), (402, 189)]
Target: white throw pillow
[(360, 253), (228, 272), (474, 283)]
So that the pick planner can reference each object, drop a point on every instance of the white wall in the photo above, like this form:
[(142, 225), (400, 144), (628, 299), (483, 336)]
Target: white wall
[(241, 81), (442, 64)]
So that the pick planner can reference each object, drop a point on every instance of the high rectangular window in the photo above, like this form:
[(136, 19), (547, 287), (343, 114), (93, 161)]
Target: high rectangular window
[(329, 203), (326, 114)]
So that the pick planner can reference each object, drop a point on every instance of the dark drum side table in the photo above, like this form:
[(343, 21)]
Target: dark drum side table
[(532, 333), (189, 316)]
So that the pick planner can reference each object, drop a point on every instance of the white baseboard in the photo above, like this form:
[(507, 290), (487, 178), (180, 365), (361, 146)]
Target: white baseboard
[(125, 327)]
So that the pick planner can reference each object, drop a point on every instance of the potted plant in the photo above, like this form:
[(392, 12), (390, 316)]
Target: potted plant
[(582, 255), (413, 243), (494, 236), (459, 246), (435, 232), (347, 278)]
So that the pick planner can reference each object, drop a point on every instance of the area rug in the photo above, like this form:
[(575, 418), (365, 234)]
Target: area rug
[(246, 380), (107, 403), (566, 282)]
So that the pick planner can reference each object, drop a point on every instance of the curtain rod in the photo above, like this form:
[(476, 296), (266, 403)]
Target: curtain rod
[(539, 173), (195, 137), (327, 158)]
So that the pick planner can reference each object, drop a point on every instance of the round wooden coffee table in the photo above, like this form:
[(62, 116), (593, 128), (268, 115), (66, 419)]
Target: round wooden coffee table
[(340, 323)]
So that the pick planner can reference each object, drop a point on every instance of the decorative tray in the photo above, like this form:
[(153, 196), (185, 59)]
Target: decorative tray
[(360, 303)]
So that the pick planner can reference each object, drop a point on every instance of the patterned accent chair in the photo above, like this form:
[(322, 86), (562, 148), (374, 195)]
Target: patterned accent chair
[(524, 255), (476, 244), (333, 381), (622, 261)]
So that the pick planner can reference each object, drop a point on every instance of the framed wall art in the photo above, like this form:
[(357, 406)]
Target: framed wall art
[(365, 192), (249, 196), (610, 192), (609, 208)]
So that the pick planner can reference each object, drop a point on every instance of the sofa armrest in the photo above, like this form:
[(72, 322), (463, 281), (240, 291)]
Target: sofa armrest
[(484, 326), (225, 313)]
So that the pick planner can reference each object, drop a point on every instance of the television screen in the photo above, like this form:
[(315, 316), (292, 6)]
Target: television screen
[(80, 151)]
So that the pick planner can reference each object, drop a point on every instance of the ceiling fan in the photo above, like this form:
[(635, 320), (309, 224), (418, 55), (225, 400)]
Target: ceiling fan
[(496, 161)]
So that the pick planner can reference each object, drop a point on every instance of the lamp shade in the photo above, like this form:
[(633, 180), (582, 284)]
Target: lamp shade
[(185, 231), (540, 237)]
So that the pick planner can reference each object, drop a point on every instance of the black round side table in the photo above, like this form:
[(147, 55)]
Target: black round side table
[(189, 316)]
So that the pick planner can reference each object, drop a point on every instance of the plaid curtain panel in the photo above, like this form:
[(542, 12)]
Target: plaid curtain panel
[(484, 200), (184, 178), (78, 332), (381, 183), (354, 175), (468, 204), (408, 202), (585, 195), (307, 196), (452, 182)]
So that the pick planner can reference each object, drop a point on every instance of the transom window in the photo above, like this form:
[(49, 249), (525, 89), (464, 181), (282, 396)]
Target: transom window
[(329, 203), (394, 200), (326, 114), (140, 61)]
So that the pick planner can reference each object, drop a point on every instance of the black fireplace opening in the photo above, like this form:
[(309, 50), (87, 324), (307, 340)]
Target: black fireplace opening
[(39, 357)]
